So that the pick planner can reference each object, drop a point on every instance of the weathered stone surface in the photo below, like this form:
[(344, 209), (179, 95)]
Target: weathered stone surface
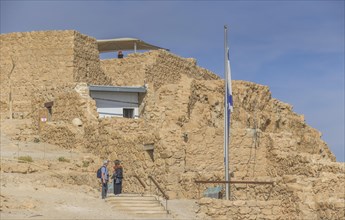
[(32, 63), (77, 122)]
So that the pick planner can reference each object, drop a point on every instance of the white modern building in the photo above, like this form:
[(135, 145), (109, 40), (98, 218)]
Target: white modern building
[(117, 101)]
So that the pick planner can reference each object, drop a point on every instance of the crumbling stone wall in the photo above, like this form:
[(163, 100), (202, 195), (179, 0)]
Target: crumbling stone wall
[(70, 102), (124, 139), (242, 209), (189, 148), (158, 67), (291, 197), (31, 62), (129, 70), (86, 63), (169, 68)]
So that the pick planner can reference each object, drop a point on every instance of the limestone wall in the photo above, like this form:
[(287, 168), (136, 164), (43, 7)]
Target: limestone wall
[(87, 67), (124, 139), (69, 103), (158, 67), (187, 117), (242, 209), (129, 70), (188, 148), (31, 62), (169, 68), (291, 197)]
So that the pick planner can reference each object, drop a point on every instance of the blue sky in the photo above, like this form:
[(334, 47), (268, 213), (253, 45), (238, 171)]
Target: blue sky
[(294, 47)]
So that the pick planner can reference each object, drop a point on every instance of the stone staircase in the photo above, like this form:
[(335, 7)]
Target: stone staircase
[(139, 206)]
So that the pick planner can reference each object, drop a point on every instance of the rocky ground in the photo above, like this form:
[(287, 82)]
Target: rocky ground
[(57, 184)]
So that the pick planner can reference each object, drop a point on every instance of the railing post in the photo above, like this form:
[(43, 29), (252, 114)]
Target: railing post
[(150, 186), (236, 182), (141, 183), (165, 196)]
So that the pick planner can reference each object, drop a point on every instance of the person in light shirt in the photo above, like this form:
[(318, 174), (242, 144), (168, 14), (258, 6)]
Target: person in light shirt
[(104, 178)]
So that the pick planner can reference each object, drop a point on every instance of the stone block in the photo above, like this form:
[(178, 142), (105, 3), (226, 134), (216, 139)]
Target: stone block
[(165, 154), (245, 210), (276, 210), (251, 203), (205, 201), (266, 211), (239, 203)]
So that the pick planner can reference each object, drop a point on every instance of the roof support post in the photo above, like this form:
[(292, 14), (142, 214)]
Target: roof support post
[(135, 47)]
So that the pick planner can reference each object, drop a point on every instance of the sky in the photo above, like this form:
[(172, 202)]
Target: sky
[(294, 47)]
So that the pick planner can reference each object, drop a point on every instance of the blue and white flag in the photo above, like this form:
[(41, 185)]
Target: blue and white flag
[(228, 108), (228, 85)]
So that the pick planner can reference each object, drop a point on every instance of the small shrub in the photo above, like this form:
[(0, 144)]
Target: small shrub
[(36, 140), (62, 159), (25, 158), (86, 163)]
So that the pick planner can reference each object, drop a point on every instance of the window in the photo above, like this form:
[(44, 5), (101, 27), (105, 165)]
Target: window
[(49, 113), (149, 148), (128, 113), (49, 106)]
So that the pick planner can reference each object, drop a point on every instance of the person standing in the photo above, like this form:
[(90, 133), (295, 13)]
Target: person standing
[(104, 178), (119, 54), (118, 176)]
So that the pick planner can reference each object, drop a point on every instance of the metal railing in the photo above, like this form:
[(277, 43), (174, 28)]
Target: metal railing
[(141, 183), (233, 182), (165, 196)]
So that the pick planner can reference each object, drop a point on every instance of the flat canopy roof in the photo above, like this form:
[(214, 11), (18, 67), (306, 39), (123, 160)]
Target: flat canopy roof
[(117, 44), (137, 89)]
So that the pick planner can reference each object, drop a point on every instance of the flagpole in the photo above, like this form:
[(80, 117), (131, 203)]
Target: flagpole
[(226, 116)]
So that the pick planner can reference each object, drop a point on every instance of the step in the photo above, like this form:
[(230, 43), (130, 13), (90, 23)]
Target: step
[(132, 200), (147, 206), (147, 212), (136, 198), (132, 203), (131, 195), (139, 209)]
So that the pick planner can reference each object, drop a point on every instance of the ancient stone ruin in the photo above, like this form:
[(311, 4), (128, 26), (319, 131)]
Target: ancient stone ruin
[(178, 136)]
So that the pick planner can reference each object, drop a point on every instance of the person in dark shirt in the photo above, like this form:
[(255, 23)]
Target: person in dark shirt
[(117, 176), (119, 54)]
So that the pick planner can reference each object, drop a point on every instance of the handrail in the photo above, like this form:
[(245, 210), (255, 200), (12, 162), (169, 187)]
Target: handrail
[(159, 188), (140, 181), (235, 181)]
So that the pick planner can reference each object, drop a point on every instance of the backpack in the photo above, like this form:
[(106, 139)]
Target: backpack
[(99, 172)]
